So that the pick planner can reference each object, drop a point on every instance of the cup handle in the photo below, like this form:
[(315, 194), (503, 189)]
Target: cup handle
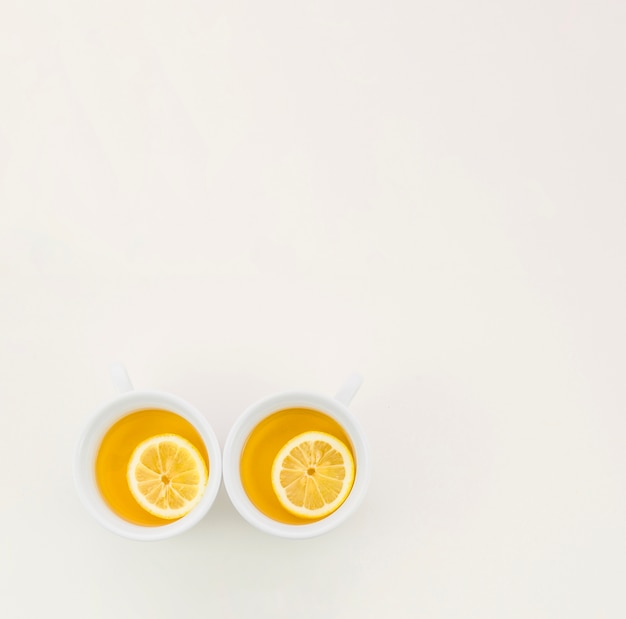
[(349, 388), (120, 377)]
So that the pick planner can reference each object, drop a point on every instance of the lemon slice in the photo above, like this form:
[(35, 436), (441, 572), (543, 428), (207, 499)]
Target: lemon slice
[(167, 476), (313, 474)]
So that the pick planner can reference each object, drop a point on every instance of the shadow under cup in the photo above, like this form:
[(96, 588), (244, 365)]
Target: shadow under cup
[(93, 457), (261, 432)]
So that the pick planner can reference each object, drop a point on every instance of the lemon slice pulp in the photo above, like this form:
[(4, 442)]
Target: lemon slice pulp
[(167, 476), (313, 474)]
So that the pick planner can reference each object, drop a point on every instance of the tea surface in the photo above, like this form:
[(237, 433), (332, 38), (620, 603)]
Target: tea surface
[(116, 449), (263, 445)]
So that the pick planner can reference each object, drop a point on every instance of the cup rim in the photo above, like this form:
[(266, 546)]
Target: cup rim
[(89, 441), (260, 410)]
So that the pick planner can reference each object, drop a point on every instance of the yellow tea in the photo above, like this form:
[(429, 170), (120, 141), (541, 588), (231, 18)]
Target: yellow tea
[(115, 452), (262, 447)]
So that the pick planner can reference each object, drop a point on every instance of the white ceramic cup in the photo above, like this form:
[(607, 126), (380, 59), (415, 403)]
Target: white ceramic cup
[(337, 409), (87, 448)]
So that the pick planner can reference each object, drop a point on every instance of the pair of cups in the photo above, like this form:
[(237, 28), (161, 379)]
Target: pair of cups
[(130, 401)]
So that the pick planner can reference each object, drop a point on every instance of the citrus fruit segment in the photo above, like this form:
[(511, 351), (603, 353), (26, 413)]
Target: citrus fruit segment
[(313, 474), (167, 476)]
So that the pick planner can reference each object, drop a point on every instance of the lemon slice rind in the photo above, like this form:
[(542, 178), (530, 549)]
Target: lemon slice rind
[(312, 474), (174, 458)]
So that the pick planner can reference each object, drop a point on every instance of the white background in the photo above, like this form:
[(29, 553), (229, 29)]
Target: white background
[(240, 197)]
